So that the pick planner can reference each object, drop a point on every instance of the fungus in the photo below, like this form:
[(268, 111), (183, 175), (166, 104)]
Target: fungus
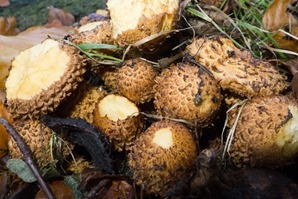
[(41, 77), (133, 20), (162, 156), (119, 119), (135, 80), (266, 132), (185, 91), (38, 138), (237, 71)]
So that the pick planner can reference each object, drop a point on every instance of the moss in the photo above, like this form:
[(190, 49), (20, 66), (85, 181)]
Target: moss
[(35, 12)]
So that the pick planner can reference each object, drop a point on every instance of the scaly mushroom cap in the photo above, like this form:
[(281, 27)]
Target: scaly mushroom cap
[(237, 71), (135, 80), (94, 32), (119, 119), (37, 136), (162, 156), (85, 106), (133, 20), (109, 76), (186, 92), (266, 133), (41, 77)]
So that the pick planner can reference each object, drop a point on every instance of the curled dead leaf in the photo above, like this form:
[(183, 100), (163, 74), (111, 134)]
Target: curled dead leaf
[(59, 189), (279, 16), (66, 18), (4, 3), (276, 16), (8, 26)]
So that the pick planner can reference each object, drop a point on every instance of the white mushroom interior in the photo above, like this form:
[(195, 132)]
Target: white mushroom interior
[(288, 135), (27, 77), (116, 107), (126, 16), (163, 138)]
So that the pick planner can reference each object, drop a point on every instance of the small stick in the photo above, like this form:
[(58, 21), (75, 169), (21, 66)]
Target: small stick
[(27, 157)]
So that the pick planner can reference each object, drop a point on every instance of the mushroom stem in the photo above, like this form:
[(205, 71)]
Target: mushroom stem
[(27, 157)]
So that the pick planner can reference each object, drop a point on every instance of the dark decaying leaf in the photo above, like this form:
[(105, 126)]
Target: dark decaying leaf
[(59, 189), (73, 183), (86, 135), (27, 191), (252, 183), (292, 66), (104, 186), (295, 85)]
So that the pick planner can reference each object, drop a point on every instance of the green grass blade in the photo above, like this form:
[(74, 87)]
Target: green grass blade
[(97, 46)]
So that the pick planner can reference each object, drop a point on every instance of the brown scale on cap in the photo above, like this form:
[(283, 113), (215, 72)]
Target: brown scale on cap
[(135, 80), (94, 32), (119, 119), (37, 136), (186, 92), (266, 133), (41, 77), (85, 106), (235, 70), (162, 156)]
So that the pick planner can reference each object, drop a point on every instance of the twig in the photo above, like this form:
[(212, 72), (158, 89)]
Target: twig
[(27, 157)]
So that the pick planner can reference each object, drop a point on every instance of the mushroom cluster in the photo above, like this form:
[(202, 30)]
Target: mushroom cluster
[(153, 113)]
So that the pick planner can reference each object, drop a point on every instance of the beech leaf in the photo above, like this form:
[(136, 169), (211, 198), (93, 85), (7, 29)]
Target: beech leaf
[(20, 168)]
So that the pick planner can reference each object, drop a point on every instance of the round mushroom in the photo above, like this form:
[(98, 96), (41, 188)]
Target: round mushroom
[(162, 156), (185, 91), (135, 80), (119, 119), (267, 132), (41, 77), (237, 71)]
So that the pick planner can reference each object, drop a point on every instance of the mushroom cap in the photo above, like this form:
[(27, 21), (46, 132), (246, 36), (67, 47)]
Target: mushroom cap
[(133, 20), (266, 133), (94, 32), (119, 119), (85, 106), (38, 137), (185, 91), (135, 80), (41, 77), (109, 76), (237, 71), (162, 156)]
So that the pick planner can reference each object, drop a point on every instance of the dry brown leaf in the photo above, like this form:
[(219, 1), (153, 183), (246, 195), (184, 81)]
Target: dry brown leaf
[(295, 85), (66, 18), (8, 26), (3, 133), (292, 66), (4, 3), (278, 16), (59, 189)]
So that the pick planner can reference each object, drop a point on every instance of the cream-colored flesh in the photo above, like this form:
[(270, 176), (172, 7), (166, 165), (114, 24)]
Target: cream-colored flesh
[(116, 107), (287, 137), (163, 138), (36, 69), (89, 26), (125, 15)]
